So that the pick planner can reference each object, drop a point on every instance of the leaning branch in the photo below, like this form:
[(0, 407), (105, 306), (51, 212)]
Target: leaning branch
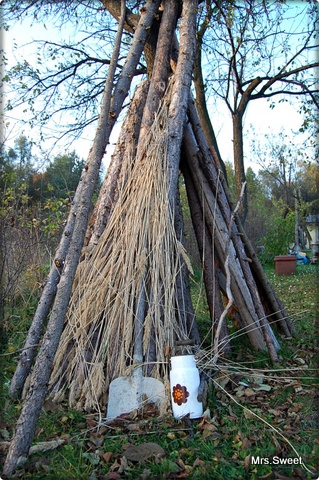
[(228, 279)]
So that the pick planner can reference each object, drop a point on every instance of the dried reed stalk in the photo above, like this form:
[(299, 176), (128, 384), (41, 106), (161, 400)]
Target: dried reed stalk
[(139, 242)]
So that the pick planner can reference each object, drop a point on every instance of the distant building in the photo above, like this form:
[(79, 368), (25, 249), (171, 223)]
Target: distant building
[(312, 222)]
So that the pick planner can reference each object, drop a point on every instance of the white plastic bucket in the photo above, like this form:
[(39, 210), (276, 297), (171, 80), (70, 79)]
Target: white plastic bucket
[(184, 380)]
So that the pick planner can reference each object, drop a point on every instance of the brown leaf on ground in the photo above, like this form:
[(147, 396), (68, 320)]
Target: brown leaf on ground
[(50, 406), (246, 444), (113, 476), (247, 462), (107, 456), (141, 453), (199, 463), (91, 423)]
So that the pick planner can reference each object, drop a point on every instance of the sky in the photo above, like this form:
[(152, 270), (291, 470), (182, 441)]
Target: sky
[(284, 117)]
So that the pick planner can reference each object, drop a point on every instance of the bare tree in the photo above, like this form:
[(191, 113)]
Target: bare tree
[(257, 51)]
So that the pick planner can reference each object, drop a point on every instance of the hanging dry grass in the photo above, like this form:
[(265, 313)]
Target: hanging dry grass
[(138, 245)]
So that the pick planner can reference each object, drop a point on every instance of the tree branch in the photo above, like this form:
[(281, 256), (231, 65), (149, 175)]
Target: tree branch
[(281, 77)]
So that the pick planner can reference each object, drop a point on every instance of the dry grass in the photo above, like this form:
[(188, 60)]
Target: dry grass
[(138, 246)]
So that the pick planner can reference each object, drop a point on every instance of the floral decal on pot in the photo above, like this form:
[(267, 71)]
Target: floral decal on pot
[(180, 394)]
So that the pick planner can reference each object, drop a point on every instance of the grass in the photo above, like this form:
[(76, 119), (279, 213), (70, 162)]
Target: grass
[(244, 424)]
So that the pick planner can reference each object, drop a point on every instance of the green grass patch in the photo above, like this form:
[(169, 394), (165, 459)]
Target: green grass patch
[(241, 438)]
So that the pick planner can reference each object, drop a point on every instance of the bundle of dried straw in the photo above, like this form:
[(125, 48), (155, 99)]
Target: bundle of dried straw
[(138, 245)]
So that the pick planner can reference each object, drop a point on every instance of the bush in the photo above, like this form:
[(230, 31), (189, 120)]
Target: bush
[(278, 238)]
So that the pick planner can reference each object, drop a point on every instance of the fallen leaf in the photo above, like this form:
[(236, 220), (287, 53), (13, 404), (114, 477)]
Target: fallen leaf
[(258, 378), (50, 406), (199, 463), (186, 451), (115, 466), (188, 469), (113, 476), (222, 378), (4, 446), (207, 415), (91, 423), (146, 475), (180, 463), (141, 453), (93, 457), (246, 444), (96, 440), (134, 427), (210, 427), (107, 456), (249, 392), (185, 473), (123, 465), (4, 433), (240, 392), (247, 462), (277, 413), (277, 445), (211, 435), (300, 360), (249, 414)]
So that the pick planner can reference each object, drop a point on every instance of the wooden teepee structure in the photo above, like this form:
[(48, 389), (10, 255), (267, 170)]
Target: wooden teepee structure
[(130, 263)]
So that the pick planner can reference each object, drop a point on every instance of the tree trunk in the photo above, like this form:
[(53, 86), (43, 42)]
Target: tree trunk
[(3, 339), (180, 94), (240, 176), (217, 185), (131, 22), (271, 302), (199, 85), (273, 305), (113, 105), (161, 69), (184, 307)]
